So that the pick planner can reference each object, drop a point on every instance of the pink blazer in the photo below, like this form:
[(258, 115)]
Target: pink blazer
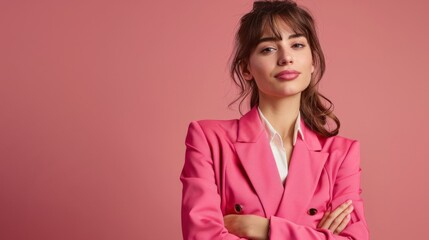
[(230, 169)]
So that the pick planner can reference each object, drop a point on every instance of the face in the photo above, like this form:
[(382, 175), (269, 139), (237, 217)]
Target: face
[(280, 68)]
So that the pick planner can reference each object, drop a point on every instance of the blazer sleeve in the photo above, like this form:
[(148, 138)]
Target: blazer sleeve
[(202, 217), (346, 186)]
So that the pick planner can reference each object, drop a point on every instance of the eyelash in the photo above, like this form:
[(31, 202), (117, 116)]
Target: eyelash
[(298, 44), (267, 50), (295, 45)]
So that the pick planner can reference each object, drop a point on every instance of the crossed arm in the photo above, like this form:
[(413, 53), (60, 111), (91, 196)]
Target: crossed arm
[(202, 217), (256, 227)]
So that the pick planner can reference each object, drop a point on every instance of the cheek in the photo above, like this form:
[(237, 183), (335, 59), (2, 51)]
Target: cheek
[(258, 72), (308, 66), (307, 76), (259, 66)]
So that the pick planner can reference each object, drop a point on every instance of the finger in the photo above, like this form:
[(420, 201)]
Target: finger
[(343, 225), (333, 215), (339, 219), (228, 220), (322, 221)]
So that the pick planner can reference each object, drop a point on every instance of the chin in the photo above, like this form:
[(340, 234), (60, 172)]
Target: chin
[(291, 92)]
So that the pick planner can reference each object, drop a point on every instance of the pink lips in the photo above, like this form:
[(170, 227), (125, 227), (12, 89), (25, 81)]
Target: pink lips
[(287, 75)]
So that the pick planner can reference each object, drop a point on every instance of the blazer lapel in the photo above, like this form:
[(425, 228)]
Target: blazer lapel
[(305, 167), (255, 154)]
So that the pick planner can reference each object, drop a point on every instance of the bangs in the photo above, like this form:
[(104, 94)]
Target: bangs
[(270, 25)]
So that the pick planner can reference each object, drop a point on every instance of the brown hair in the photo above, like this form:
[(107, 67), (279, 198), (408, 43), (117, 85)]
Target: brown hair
[(313, 111)]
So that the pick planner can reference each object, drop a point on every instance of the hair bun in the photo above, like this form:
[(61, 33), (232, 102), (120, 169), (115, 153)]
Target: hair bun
[(272, 3)]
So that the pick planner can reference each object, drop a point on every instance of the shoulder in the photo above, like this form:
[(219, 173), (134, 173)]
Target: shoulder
[(342, 150), (211, 128), (214, 125), (337, 142)]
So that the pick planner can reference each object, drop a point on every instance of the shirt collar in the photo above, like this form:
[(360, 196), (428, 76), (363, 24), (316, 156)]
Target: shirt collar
[(272, 132)]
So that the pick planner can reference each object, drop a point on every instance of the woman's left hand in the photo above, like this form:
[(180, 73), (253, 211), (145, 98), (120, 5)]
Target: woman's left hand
[(247, 226), (337, 220)]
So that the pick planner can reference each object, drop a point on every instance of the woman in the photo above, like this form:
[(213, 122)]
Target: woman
[(278, 172)]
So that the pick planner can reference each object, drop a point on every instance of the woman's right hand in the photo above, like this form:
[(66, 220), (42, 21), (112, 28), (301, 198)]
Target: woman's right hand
[(338, 219)]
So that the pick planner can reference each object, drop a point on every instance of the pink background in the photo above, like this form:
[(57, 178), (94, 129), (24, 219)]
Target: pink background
[(96, 97)]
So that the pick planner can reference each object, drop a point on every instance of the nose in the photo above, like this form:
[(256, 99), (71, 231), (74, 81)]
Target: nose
[(285, 59)]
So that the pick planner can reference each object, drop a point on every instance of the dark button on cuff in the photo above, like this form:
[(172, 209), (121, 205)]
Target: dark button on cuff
[(238, 208), (312, 211)]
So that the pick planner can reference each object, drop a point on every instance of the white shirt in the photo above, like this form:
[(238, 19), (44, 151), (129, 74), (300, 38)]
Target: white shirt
[(276, 143)]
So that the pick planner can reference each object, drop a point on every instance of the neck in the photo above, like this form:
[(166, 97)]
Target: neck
[(281, 113)]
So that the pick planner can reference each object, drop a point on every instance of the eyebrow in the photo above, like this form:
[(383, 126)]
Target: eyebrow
[(273, 39)]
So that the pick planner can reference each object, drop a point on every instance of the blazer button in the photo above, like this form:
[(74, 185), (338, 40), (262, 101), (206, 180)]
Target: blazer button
[(238, 208), (312, 211)]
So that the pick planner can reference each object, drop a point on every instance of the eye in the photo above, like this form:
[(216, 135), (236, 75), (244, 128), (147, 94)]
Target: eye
[(268, 50), (298, 45)]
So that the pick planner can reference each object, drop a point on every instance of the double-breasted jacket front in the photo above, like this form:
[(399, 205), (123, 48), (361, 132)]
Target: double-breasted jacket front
[(230, 169)]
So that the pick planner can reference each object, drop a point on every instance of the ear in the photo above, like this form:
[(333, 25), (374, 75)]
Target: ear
[(245, 72), (312, 68)]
